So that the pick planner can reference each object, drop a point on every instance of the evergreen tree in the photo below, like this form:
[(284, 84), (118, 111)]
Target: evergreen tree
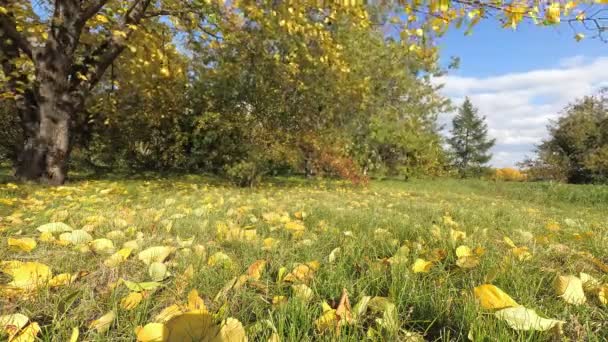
[(470, 142)]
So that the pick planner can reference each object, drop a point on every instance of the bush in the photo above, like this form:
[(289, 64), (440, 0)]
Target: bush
[(509, 174), (244, 173)]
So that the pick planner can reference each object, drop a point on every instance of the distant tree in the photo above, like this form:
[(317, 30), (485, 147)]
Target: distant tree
[(577, 147), (470, 142)]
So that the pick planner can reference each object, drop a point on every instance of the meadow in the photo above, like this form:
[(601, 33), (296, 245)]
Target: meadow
[(193, 258)]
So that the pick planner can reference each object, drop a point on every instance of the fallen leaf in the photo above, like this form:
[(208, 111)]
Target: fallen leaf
[(28, 334), (152, 332), (520, 318), (103, 323), (421, 266), (195, 302), (191, 327), (24, 244), (232, 331), (158, 271), (132, 300), (102, 246), (12, 324), (570, 288), (155, 254), (118, 257), (491, 297), (54, 228), (256, 269)]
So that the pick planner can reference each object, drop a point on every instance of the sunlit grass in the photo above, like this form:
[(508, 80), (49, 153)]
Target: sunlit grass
[(368, 225)]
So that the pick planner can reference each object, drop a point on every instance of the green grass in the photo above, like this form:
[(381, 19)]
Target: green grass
[(382, 217)]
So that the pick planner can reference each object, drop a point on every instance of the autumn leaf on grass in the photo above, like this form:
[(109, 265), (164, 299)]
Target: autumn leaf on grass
[(466, 258), (118, 258), (132, 300), (520, 318), (23, 244), (302, 272), (191, 327), (103, 323), (602, 294), (54, 228), (152, 332), (220, 259), (491, 297), (102, 246), (195, 302), (25, 275), (232, 331), (302, 292), (421, 266), (28, 334), (570, 288), (155, 254), (256, 269), (158, 271), (12, 324)]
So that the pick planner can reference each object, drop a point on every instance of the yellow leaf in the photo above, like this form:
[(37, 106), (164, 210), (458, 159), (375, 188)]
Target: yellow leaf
[(167, 313), (421, 266), (61, 280), (195, 302), (158, 271), (3, 10), (75, 335), (24, 244), (28, 334), (467, 262), (191, 327), (26, 275), (570, 288), (221, 259), (579, 37), (457, 235), (301, 272), (101, 18), (256, 269), (520, 318), (463, 251), (103, 323), (102, 246), (152, 332), (118, 257), (132, 300), (602, 294), (553, 13), (12, 324), (302, 292), (509, 242), (54, 228), (491, 297), (155, 254), (232, 331)]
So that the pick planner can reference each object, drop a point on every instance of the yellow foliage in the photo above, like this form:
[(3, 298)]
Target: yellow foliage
[(509, 174)]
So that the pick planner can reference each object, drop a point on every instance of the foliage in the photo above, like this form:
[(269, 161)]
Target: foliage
[(469, 141), (509, 174), (577, 146)]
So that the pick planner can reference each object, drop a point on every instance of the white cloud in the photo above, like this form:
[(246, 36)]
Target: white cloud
[(518, 106)]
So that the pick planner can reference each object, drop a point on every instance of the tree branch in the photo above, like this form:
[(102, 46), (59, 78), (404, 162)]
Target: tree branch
[(93, 8), (9, 31), (97, 62)]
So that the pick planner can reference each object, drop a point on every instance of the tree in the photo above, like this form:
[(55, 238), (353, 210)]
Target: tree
[(54, 53), (469, 141), (577, 147)]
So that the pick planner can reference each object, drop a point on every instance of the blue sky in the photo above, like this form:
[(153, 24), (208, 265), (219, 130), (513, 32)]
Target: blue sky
[(521, 79)]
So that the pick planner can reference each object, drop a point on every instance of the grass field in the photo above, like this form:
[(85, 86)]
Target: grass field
[(306, 243)]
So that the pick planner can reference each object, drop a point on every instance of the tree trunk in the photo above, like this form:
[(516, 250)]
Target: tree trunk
[(46, 127)]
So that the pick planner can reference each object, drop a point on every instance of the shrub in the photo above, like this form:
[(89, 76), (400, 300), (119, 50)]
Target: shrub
[(509, 174)]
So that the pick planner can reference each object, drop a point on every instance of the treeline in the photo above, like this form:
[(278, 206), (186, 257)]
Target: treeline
[(576, 150), (257, 98)]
